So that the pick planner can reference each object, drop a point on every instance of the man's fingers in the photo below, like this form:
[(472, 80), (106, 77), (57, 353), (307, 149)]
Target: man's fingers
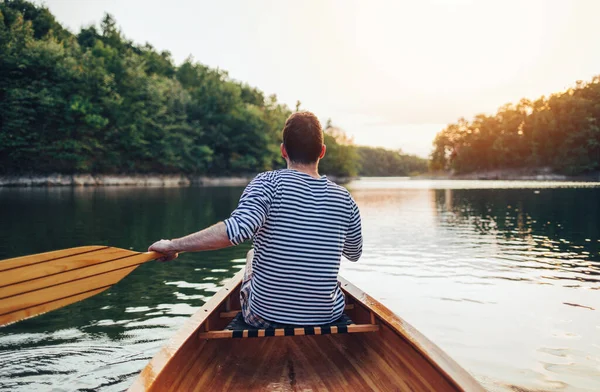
[(169, 257), (157, 247), (166, 248), (162, 246)]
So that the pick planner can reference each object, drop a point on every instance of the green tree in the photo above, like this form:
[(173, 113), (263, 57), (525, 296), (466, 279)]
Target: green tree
[(560, 132), (97, 102), (341, 158), (379, 162)]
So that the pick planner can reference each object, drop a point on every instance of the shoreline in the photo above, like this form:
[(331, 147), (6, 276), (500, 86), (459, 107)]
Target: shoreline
[(143, 180), (147, 180), (180, 180), (542, 174)]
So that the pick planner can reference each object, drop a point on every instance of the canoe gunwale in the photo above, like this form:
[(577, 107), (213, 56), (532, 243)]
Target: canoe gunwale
[(188, 331)]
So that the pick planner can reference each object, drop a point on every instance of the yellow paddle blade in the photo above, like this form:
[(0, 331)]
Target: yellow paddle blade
[(36, 284)]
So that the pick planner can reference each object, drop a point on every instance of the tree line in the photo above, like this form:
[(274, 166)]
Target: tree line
[(96, 102), (561, 132)]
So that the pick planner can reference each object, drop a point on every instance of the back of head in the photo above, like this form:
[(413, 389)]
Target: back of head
[(303, 137)]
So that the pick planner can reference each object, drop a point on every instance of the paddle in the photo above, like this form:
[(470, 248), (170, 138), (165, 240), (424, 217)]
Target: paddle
[(36, 284)]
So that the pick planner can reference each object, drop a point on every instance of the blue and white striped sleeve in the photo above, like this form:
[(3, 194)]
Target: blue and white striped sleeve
[(251, 211), (354, 241)]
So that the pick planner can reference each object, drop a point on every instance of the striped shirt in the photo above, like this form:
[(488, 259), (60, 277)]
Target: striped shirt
[(301, 227)]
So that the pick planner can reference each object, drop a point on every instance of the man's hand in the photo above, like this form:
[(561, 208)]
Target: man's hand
[(167, 248)]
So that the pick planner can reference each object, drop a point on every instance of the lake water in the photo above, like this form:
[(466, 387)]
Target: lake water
[(503, 276)]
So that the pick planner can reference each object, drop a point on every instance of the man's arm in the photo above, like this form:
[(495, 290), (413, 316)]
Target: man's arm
[(211, 238), (247, 218)]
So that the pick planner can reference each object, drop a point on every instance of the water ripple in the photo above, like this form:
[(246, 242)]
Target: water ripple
[(503, 278)]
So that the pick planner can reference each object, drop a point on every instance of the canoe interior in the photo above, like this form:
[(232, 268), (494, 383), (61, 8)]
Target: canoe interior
[(395, 358)]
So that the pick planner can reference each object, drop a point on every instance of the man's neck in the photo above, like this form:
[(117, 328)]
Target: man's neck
[(310, 169)]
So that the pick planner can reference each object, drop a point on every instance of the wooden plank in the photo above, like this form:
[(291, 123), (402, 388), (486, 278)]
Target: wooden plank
[(339, 373), (230, 314), (227, 334), (42, 257), (63, 264), (401, 354), (304, 363), (65, 290), (374, 357), (429, 351), (167, 364), (22, 314)]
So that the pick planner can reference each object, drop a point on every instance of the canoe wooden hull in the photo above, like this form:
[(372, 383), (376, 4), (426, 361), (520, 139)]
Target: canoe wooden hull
[(395, 358)]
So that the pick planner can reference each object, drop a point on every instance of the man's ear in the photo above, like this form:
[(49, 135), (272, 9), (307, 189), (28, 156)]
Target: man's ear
[(284, 154), (323, 149)]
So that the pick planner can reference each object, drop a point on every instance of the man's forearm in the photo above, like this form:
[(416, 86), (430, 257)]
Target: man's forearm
[(214, 237)]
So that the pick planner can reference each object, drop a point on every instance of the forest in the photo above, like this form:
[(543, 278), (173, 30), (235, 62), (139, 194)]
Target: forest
[(560, 132), (96, 102)]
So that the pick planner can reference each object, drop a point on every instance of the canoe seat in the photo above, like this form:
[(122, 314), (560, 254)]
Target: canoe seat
[(238, 328)]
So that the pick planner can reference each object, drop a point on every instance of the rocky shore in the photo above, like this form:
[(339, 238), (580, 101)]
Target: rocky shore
[(121, 180), (53, 180)]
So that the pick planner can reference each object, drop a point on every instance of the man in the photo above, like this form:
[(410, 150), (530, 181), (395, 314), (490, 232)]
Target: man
[(301, 224)]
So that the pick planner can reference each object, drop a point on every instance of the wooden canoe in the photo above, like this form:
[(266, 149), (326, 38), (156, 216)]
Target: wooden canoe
[(391, 356)]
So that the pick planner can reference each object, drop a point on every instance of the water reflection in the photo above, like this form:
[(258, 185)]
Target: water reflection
[(104, 341), (504, 280), (504, 276), (554, 231)]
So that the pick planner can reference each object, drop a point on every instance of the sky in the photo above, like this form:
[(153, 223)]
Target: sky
[(389, 73)]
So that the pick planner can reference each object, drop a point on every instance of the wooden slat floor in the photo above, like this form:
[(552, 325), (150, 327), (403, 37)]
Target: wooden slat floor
[(315, 363)]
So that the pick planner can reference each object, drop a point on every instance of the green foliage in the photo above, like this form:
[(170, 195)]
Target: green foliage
[(344, 159), (96, 102), (341, 158), (561, 132), (379, 162)]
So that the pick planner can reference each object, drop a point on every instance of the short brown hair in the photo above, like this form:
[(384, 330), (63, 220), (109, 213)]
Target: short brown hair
[(303, 137)]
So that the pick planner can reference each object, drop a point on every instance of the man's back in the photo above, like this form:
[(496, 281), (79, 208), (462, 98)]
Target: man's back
[(301, 224), (302, 227)]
